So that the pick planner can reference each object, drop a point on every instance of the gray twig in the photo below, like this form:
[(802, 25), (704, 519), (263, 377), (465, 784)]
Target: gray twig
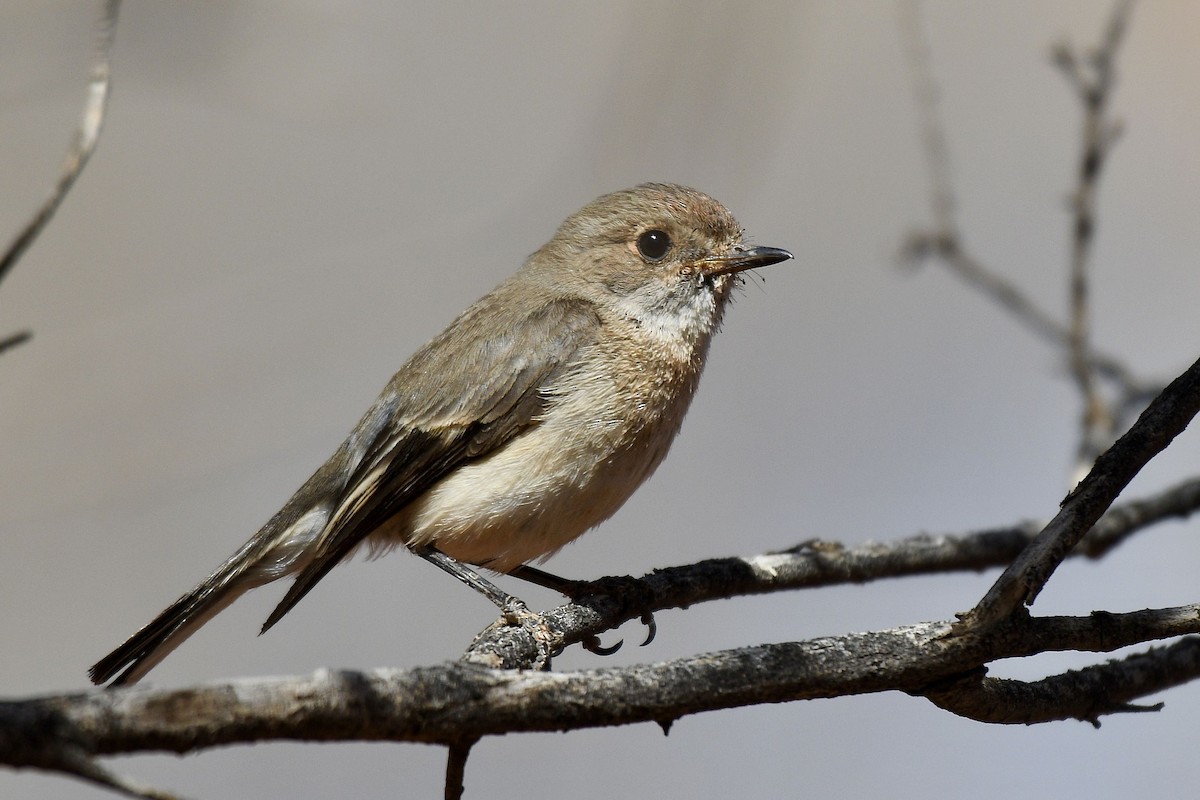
[(1093, 78), (86, 137)]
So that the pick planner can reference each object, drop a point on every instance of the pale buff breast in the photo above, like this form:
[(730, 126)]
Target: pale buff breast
[(608, 428)]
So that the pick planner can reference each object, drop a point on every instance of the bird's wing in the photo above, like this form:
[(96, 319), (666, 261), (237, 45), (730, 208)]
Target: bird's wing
[(435, 429)]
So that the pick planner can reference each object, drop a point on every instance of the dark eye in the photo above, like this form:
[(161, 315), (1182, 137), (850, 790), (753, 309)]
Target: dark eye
[(653, 245)]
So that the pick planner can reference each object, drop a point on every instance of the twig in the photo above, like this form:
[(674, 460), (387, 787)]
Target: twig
[(15, 339), (1085, 694), (950, 253), (1160, 423), (945, 243), (933, 133), (1119, 522), (456, 766), (1093, 79), (86, 137)]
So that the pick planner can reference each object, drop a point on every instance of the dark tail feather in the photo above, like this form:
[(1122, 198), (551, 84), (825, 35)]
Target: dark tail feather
[(167, 631), (301, 586)]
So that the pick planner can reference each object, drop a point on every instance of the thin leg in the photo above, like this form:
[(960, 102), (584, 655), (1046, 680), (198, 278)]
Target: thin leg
[(470, 577), (548, 580)]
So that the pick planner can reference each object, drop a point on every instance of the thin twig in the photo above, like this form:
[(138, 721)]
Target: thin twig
[(86, 137), (933, 134), (1093, 79), (1180, 501), (15, 339), (456, 767), (945, 243)]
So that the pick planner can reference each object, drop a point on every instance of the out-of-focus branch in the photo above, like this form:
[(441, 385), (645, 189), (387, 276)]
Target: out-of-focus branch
[(86, 137), (1093, 77), (948, 251), (933, 135), (15, 339)]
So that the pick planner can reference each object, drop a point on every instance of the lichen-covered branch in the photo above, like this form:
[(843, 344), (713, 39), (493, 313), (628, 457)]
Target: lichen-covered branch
[(1085, 694), (455, 703)]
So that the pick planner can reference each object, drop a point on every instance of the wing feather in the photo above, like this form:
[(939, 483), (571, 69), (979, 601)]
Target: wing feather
[(436, 429)]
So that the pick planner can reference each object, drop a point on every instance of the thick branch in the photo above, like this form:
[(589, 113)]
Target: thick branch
[(453, 703)]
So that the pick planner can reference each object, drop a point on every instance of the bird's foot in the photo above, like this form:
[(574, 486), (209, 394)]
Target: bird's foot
[(630, 593)]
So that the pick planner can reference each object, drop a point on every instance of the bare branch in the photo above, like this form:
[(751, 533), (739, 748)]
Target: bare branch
[(86, 137), (1119, 522), (456, 766), (1093, 80), (1158, 425), (1085, 694), (14, 340), (455, 703), (808, 565)]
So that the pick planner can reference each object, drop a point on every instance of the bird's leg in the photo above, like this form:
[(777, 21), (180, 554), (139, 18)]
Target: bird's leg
[(564, 586), (574, 589), (507, 603), (513, 610)]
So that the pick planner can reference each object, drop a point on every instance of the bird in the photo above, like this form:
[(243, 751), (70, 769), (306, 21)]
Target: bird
[(528, 421)]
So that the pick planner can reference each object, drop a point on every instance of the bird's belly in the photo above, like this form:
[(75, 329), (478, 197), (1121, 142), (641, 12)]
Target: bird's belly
[(530, 498)]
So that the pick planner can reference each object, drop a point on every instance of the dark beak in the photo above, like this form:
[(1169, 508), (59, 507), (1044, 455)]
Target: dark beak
[(741, 260)]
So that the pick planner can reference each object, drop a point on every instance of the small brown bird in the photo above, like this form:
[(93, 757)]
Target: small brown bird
[(528, 421)]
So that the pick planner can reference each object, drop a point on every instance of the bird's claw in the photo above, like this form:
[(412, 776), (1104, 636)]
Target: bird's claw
[(592, 645), (651, 628)]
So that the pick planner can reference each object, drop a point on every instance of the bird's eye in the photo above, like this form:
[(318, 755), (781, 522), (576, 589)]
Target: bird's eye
[(653, 245)]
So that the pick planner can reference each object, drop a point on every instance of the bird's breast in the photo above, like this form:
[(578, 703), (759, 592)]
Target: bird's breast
[(609, 421)]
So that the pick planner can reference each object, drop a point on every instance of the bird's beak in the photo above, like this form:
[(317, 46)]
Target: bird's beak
[(740, 260)]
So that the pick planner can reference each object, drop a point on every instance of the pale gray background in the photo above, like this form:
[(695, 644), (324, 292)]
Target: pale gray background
[(289, 198)]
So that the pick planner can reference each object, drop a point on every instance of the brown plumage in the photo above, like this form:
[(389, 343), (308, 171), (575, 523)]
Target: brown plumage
[(529, 420)]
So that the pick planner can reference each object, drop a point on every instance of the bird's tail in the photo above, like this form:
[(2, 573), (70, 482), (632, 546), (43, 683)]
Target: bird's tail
[(142, 651)]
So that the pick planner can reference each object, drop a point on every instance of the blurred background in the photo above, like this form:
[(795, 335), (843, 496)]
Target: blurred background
[(290, 198)]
